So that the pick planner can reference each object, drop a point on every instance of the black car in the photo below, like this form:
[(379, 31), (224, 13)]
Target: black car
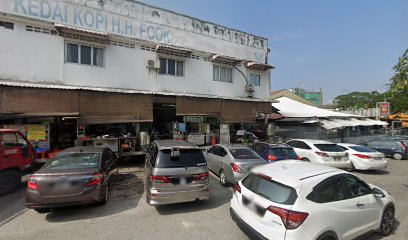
[(394, 148), (273, 152)]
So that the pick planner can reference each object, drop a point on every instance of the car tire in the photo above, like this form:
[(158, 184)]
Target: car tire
[(223, 179), (387, 221), (305, 159), (9, 181), (397, 156)]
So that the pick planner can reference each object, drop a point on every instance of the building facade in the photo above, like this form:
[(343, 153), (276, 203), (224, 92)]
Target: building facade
[(125, 62), (314, 97)]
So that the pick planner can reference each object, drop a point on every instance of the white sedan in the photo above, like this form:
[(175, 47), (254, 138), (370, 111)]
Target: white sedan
[(364, 158), (298, 200)]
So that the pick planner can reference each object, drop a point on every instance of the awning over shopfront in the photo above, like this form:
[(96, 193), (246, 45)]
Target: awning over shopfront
[(238, 111), (225, 59), (101, 107), (173, 50), (330, 124), (258, 66), (197, 106), (264, 107), (36, 102), (71, 31)]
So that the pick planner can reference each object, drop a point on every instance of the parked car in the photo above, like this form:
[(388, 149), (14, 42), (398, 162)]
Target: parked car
[(298, 200), (274, 152), (396, 149), (16, 156), (231, 162), (74, 176), (175, 171), (320, 152), (364, 158)]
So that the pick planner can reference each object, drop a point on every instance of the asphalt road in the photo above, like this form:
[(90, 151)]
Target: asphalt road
[(128, 216)]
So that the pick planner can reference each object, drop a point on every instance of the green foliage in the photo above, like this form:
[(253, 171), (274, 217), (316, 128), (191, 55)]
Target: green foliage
[(358, 100)]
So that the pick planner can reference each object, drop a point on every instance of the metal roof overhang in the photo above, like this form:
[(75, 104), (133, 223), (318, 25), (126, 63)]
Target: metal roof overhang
[(173, 50), (65, 29), (225, 59), (258, 66), (37, 115)]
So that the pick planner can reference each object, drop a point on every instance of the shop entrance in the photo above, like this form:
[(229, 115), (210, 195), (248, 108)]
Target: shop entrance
[(164, 115)]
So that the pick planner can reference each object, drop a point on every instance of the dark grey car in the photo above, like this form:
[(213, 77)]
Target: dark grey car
[(231, 162), (175, 171), (75, 176)]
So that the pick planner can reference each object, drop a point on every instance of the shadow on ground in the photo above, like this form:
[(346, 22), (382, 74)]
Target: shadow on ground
[(373, 172), (13, 204), (375, 236)]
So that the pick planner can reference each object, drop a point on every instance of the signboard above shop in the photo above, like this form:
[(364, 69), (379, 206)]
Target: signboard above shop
[(141, 21)]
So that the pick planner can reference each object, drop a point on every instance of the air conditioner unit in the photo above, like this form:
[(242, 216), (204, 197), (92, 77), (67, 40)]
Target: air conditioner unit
[(250, 88), (150, 63)]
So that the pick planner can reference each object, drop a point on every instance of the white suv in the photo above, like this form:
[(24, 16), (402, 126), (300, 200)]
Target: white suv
[(321, 152), (298, 200)]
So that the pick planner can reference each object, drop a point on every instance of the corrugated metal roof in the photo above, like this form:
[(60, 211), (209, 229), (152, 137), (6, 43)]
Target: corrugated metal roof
[(122, 90)]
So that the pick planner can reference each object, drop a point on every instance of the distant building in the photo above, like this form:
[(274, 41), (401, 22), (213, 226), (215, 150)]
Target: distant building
[(313, 97)]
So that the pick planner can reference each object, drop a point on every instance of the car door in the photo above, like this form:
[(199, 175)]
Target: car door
[(11, 151), (149, 163), (221, 159), (333, 199), (294, 145), (368, 207), (209, 156)]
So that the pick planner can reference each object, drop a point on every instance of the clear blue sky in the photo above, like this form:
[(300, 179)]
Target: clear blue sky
[(341, 46)]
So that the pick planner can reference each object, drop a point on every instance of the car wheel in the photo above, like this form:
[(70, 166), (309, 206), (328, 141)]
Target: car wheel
[(9, 181), (387, 221), (397, 156), (305, 159), (106, 196), (223, 179)]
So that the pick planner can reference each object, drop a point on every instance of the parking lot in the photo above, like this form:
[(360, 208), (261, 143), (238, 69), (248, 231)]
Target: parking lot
[(128, 216)]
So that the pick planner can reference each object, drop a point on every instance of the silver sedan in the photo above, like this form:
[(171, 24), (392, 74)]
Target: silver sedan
[(231, 162)]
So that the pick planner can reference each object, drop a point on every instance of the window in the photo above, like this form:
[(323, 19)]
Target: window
[(357, 187), (8, 140), (330, 190), (187, 158), (86, 55), (171, 67), (222, 74), (255, 79), (243, 154), (302, 145), (329, 147), (7, 25)]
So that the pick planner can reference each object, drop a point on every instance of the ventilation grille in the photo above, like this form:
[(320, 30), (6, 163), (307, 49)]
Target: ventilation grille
[(7, 25), (146, 48), (121, 44), (41, 30)]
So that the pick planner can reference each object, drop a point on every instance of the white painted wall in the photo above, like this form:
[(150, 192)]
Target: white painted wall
[(39, 58)]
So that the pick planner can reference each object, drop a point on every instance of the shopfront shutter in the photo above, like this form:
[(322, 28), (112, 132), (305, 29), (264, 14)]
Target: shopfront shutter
[(238, 111), (198, 106), (264, 107)]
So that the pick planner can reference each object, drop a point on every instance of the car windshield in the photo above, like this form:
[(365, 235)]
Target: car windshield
[(289, 152), (243, 154), (329, 147), (187, 158), (73, 160), (269, 189), (362, 149)]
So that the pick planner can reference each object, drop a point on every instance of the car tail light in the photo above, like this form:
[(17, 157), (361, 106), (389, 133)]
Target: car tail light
[(322, 154), (362, 156), (403, 147), (159, 179), (201, 176), (271, 157), (236, 168), (96, 179), (237, 188), (291, 219), (32, 184), (298, 158)]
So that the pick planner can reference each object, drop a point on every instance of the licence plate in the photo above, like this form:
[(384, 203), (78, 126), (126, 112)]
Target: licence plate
[(253, 207), (183, 181), (337, 158)]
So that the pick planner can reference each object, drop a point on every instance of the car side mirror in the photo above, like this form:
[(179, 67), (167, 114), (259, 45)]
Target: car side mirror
[(378, 193)]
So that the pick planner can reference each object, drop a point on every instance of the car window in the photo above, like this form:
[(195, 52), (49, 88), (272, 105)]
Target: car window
[(343, 147), (302, 145), (243, 153), (222, 152), (259, 149), (357, 187), (187, 158), (329, 147), (8, 140), (153, 154), (291, 143), (73, 161), (212, 150), (362, 149), (372, 144), (269, 189), (289, 152), (330, 190)]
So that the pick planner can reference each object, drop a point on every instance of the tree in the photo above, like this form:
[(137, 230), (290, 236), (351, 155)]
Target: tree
[(358, 100), (398, 92)]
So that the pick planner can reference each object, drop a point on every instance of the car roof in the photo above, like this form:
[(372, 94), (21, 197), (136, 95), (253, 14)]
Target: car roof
[(234, 146), (347, 144), (169, 144), (313, 141), (84, 150), (295, 173), (273, 145)]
